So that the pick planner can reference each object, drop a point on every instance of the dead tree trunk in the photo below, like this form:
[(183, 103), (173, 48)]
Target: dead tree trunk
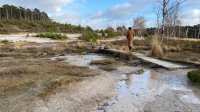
[(179, 32), (164, 5), (11, 13), (7, 16), (199, 33), (20, 15), (195, 34), (186, 33), (25, 15)]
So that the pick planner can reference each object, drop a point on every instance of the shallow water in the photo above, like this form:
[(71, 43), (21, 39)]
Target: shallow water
[(154, 90), (80, 60), (137, 91)]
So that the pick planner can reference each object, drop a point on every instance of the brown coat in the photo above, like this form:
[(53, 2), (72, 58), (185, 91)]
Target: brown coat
[(130, 36)]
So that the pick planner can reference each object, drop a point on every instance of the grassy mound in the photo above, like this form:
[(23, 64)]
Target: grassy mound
[(53, 36), (111, 34), (15, 26), (194, 76), (90, 36)]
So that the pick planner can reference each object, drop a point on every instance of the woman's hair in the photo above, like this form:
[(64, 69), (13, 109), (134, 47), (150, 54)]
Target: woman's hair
[(130, 28)]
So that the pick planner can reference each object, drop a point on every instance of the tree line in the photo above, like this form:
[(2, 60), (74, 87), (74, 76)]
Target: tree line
[(168, 21), (10, 12), (15, 19), (180, 31)]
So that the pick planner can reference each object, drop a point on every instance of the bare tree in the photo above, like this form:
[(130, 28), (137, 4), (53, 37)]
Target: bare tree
[(158, 15), (7, 16), (110, 29), (139, 25), (164, 4), (122, 29), (195, 34), (169, 10), (199, 32), (186, 33)]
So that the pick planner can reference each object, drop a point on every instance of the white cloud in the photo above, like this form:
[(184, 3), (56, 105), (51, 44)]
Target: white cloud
[(191, 17), (97, 14), (65, 11), (96, 23), (68, 17), (49, 6), (120, 14), (193, 2), (122, 10), (151, 23)]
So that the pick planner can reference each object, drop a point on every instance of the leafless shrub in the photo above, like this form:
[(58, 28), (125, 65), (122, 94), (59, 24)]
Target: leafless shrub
[(156, 49)]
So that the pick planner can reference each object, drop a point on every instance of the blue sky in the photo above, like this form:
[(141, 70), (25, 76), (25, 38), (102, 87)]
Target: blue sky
[(103, 13)]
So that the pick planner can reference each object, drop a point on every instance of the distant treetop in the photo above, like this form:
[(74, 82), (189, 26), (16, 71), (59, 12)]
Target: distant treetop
[(12, 12)]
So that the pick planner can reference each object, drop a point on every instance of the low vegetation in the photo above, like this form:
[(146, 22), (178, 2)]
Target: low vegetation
[(54, 36), (19, 19), (53, 86), (90, 36), (51, 77), (15, 26), (111, 34), (36, 70), (103, 62), (194, 76), (6, 41)]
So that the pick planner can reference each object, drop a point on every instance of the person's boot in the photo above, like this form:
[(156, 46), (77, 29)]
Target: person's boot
[(129, 49)]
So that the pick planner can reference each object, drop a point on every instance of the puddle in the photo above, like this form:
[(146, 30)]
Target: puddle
[(135, 92), (190, 99), (80, 60), (139, 84), (151, 88)]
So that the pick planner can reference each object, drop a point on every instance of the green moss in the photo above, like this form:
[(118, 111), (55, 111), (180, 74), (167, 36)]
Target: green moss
[(194, 76), (53, 36), (111, 34), (90, 36)]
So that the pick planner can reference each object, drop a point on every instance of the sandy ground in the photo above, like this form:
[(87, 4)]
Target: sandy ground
[(150, 90), (81, 97), (127, 88), (30, 38)]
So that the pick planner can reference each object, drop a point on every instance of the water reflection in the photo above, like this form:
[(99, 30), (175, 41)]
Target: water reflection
[(140, 84), (80, 60), (154, 74), (146, 78), (128, 81)]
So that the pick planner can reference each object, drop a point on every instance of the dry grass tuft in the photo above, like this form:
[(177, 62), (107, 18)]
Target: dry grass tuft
[(103, 62), (18, 71), (52, 87), (15, 78), (156, 49), (57, 48), (167, 48)]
